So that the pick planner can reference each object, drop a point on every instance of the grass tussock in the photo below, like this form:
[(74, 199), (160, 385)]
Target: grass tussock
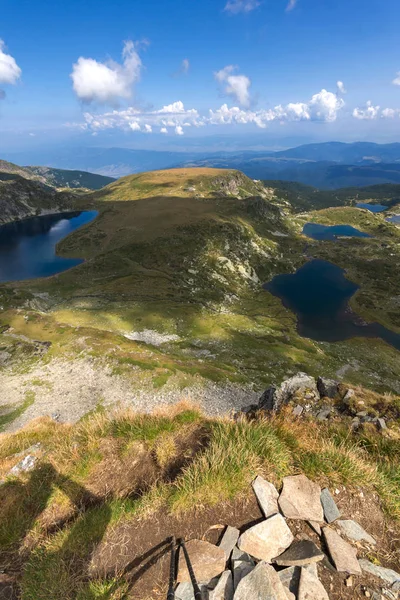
[(53, 517)]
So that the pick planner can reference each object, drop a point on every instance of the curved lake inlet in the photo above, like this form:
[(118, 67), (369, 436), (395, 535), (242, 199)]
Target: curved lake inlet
[(394, 219), (375, 208), (326, 232), (319, 293), (28, 247)]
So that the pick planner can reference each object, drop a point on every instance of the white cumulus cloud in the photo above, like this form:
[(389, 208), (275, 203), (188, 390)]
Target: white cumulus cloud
[(178, 130), (396, 80), (106, 83), (10, 72), (234, 85), (163, 130), (238, 6), (390, 113), (341, 88), (367, 112)]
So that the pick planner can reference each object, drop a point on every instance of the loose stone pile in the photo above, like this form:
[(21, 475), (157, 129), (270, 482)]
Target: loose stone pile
[(266, 562), (322, 398)]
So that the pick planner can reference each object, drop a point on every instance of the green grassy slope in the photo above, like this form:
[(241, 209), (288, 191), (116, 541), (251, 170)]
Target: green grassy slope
[(191, 262)]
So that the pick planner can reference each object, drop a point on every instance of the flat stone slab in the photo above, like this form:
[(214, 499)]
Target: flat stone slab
[(262, 583), (229, 540), (240, 569), (300, 554), (388, 575), (301, 499), (224, 588), (355, 532), (207, 560), (327, 387), (185, 591), (310, 587), (267, 496), (344, 556), (315, 527), (290, 577), (267, 539), (331, 511)]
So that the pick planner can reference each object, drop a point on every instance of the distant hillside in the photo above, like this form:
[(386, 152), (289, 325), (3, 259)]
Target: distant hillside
[(57, 178), (62, 178), (21, 198), (305, 197), (340, 152)]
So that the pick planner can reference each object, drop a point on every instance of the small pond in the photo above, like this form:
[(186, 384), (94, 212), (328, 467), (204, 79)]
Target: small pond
[(325, 232), (319, 293), (394, 219), (28, 247), (375, 208)]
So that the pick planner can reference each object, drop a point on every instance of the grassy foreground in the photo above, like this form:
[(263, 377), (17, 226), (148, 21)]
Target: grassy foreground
[(112, 469)]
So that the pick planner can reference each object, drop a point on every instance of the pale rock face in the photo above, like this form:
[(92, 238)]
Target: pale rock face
[(310, 587), (355, 532), (224, 588), (267, 539), (262, 583), (301, 499), (207, 560), (344, 556), (267, 496)]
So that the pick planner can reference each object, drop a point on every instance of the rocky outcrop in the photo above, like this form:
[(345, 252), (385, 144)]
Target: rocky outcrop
[(21, 198)]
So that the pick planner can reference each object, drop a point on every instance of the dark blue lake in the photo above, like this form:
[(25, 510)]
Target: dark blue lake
[(318, 293), (394, 219), (325, 232), (375, 208), (28, 247)]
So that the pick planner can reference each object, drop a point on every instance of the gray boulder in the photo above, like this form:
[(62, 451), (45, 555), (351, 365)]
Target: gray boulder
[(228, 540), (300, 554), (388, 575), (262, 583), (224, 588), (331, 511), (355, 532), (207, 560), (301, 499), (240, 569), (267, 496), (274, 398), (267, 539), (344, 556), (327, 388)]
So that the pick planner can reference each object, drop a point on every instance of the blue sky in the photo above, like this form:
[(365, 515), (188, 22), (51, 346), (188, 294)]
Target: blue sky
[(231, 67)]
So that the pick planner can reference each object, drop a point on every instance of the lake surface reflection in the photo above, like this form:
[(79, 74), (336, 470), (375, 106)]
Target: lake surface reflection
[(318, 293), (28, 247)]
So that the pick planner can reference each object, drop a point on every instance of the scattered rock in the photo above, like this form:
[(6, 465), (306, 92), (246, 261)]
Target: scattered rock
[(387, 575), (301, 499), (267, 539), (327, 387), (343, 555), (381, 424), (300, 554), (298, 410), (349, 581), (240, 569), (310, 587), (315, 527), (224, 588), (331, 511), (185, 591), (348, 396), (274, 398), (262, 583), (324, 414), (355, 532), (267, 496), (290, 577), (56, 415), (26, 464), (229, 540), (243, 556), (207, 560)]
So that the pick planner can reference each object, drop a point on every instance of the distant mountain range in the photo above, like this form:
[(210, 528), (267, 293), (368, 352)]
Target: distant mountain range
[(329, 165)]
